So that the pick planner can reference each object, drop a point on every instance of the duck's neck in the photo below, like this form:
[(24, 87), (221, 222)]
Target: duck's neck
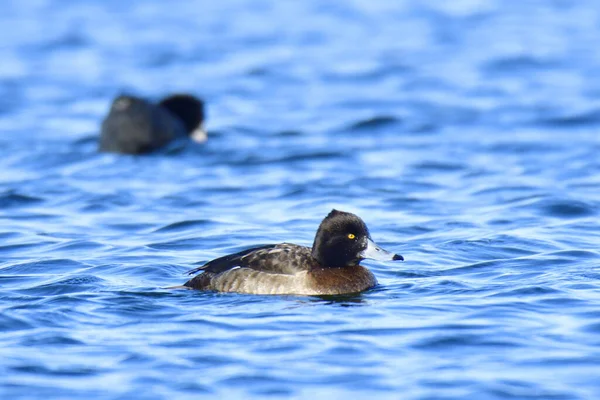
[(329, 258)]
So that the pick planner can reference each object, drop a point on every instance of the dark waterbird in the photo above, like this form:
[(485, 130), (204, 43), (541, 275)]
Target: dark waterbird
[(135, 125), (331, 266)]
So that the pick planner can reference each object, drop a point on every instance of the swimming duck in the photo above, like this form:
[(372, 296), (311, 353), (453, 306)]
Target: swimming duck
[(330, 267), (135, 125)]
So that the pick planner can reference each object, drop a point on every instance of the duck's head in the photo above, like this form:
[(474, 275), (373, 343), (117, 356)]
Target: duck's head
[(343, 240), (190, 110)]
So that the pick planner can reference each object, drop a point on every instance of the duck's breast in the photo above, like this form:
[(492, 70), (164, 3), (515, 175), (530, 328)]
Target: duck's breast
[(329, 281)]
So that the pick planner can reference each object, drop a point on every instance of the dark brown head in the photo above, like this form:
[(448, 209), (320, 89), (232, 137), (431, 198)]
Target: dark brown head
[(190, 110), (343, 240)]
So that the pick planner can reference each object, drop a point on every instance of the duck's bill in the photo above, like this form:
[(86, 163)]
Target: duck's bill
[(375, 252), (199, 134)]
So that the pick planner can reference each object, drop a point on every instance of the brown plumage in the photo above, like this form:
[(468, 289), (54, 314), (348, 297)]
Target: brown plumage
[(330, 267)]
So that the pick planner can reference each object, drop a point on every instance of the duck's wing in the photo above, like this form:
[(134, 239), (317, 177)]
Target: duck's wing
[(284, 258)]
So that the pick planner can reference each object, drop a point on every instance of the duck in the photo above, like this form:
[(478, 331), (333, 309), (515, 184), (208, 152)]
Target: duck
[(330, 267), (135, 125)]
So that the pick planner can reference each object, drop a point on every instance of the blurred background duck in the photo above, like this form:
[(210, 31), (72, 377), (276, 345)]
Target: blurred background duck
[(135, 125)]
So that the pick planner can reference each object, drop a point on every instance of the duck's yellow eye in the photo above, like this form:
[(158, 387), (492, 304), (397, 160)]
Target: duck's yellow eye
[(351, 236)]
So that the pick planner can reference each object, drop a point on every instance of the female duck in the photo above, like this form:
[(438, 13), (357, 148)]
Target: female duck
[(330, 267)]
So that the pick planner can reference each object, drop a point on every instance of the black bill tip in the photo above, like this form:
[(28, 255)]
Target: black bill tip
[(398, 257)]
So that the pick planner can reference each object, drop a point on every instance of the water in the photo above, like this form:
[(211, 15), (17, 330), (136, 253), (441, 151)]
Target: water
[(464, 133)]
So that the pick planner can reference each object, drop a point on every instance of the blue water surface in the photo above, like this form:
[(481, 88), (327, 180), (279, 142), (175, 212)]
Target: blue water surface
[(465, 134)]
